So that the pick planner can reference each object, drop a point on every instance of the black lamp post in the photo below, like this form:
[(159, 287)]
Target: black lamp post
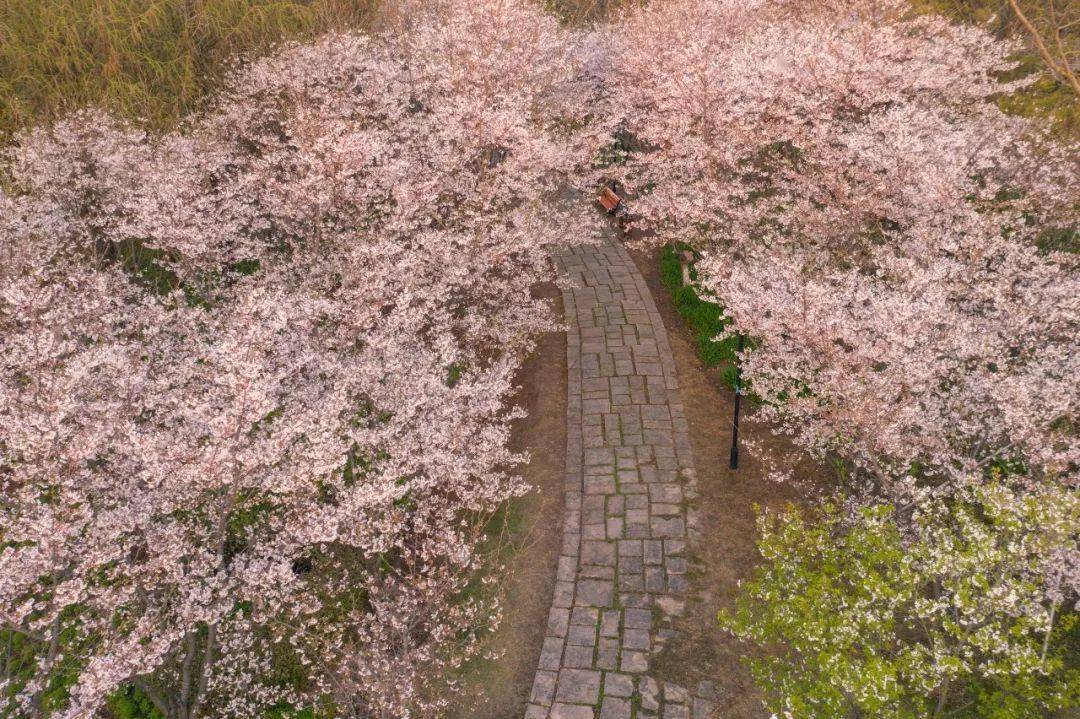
[(738, 400)]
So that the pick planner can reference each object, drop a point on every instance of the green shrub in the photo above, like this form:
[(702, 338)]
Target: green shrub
[(857, 618)]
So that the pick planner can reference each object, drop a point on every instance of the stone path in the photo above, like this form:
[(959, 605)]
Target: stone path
[(622, 573)]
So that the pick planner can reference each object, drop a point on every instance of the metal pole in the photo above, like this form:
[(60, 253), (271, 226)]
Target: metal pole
[(734, 464)]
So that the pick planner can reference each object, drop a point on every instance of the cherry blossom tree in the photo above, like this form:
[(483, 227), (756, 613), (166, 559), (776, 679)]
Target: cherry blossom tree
[(863, 210), (255, 400)]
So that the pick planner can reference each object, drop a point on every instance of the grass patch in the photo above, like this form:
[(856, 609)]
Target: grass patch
[(152, 61), (703, 316)]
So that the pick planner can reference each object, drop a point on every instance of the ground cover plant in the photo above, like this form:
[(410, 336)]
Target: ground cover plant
[(704, 317)]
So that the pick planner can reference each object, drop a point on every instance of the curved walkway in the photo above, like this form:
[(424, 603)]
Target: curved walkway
[(629, 489)]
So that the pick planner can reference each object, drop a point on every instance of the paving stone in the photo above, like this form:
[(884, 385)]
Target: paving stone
[(676, 711), (615, 708), (631, 582), (595, 593), (650, 693), (567, 567), (607, 654), (634, 600), (668, 527), (584, 615), (534, 711), (599, 485), (616, 505), (564, 594), (596, 552), (634, 662), (594, 531), (675, 693), (674, 546), (543, 691), (558, 620), (636, 639), (676, 565), (654, 579), (671, 606), (597, 572), (571, 711), (581, 635), (593, 503), (551, 654), (595, 457), (638, 618), (593, 514), (578, 686), (618, 685), (578, 657), (609, 626)]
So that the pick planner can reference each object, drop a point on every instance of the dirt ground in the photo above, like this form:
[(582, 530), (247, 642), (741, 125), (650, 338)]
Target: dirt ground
[(499, 689), (702, 652)]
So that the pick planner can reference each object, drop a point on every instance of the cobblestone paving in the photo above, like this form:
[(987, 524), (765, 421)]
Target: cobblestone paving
[(630, 487)]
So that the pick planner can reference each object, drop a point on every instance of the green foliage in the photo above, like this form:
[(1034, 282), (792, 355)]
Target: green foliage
[(1045, 98), (857, 618), (151, 60), (454, 373), (19, 654), (130, 703), (704, 317)]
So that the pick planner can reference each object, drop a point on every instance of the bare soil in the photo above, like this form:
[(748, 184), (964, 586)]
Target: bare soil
[(532, 536)]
